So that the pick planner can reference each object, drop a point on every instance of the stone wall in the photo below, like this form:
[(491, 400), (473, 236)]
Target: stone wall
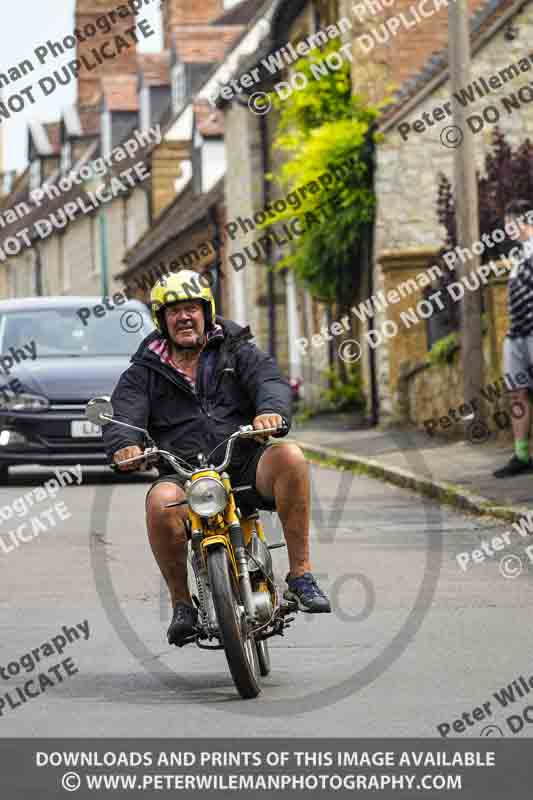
[(407, 171), (424, 392)]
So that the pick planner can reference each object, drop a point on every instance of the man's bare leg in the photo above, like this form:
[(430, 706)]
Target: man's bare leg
[(168, 539), (283, 473)]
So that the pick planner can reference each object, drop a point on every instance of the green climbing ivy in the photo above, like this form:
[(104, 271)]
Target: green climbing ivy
[(323, 128)]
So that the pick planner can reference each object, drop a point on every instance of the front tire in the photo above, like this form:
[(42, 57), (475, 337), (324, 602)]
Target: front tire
[(241, 652)]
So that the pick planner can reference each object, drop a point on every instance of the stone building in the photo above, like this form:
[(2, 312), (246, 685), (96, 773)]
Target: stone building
[(189, 166), (408, 235), (133, 98), (280, 311)]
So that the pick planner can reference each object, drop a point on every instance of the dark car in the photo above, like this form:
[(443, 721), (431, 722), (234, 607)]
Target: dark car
[(52, 361)]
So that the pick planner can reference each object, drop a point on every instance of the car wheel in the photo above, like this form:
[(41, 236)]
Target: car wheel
[(4, 474)]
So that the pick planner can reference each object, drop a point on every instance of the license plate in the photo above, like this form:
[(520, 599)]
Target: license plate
[(83, 429)]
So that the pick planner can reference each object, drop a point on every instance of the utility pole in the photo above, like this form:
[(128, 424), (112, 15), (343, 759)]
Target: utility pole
[(466, 200)]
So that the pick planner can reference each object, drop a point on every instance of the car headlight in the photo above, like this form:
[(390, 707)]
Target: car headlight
[(25, 402), (207, 497)]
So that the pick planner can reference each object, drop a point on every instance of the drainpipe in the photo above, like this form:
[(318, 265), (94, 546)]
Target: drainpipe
[(272, 339), (213, 220), (369, 261), (38, 265)]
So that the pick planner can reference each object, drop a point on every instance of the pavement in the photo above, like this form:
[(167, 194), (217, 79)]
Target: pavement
[(454, 472)]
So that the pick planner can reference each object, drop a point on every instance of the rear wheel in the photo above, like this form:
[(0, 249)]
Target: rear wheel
[(263, 657), (240, 648)]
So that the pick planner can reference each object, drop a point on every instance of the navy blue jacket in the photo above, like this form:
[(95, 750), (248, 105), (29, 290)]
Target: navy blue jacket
[(235, 382)]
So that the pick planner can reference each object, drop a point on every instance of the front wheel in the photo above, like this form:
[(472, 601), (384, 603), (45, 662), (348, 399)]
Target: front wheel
[(239, 646)]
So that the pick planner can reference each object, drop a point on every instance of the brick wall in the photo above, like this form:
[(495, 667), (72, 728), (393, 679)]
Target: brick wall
[(202, 44), (188, 12), (166, 168), (404, 54), (87, 12)]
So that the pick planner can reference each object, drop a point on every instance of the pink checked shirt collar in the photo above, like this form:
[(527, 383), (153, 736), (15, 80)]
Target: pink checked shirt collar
[(160, 347)]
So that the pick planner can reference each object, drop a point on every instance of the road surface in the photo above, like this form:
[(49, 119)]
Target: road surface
[(414, 642)]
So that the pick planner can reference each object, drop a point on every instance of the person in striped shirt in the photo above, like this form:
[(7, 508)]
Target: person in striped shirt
[(518, 344)]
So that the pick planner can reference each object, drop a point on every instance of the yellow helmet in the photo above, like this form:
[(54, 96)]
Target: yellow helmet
[(183, 285)]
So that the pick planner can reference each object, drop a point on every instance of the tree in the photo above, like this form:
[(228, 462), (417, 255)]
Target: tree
[(508, 176)]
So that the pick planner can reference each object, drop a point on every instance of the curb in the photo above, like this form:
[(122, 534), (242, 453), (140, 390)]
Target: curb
[(445, 493)]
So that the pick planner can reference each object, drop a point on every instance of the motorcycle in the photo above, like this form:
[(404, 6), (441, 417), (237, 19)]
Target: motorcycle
[(229, 564)]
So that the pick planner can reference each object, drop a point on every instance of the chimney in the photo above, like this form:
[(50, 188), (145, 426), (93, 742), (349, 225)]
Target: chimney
[(98, 23)]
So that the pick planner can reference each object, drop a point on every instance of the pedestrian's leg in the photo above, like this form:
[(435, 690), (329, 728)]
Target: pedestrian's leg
[(520, 414)]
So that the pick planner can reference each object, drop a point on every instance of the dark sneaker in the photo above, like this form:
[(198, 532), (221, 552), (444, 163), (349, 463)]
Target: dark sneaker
[(183, 623), (514, 467), (305, 592)]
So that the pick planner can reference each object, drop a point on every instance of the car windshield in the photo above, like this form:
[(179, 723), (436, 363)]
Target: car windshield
[(59, 332)]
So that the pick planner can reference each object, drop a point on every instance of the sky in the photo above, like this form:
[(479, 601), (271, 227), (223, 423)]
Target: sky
[(26, 24)]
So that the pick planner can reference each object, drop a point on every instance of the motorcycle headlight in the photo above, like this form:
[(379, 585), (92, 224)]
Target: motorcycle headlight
[(207, 497), (25, 402)]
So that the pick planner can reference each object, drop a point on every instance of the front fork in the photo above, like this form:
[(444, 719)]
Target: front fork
[(245, 584)]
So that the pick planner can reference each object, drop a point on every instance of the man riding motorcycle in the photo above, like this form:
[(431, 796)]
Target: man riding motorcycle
[(192, 383)]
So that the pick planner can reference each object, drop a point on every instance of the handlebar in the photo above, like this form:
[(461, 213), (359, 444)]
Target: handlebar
[(244, 432)]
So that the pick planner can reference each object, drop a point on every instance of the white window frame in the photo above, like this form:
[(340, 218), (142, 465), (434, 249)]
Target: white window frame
[(145, 108), (66, 157), (36, 174), (107, 133), (179, 86)]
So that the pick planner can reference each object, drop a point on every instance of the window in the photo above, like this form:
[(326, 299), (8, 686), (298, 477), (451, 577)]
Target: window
[(35, 173), (66, 157), (107, 134), (179, 87), (146, 115), (59, 333)]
